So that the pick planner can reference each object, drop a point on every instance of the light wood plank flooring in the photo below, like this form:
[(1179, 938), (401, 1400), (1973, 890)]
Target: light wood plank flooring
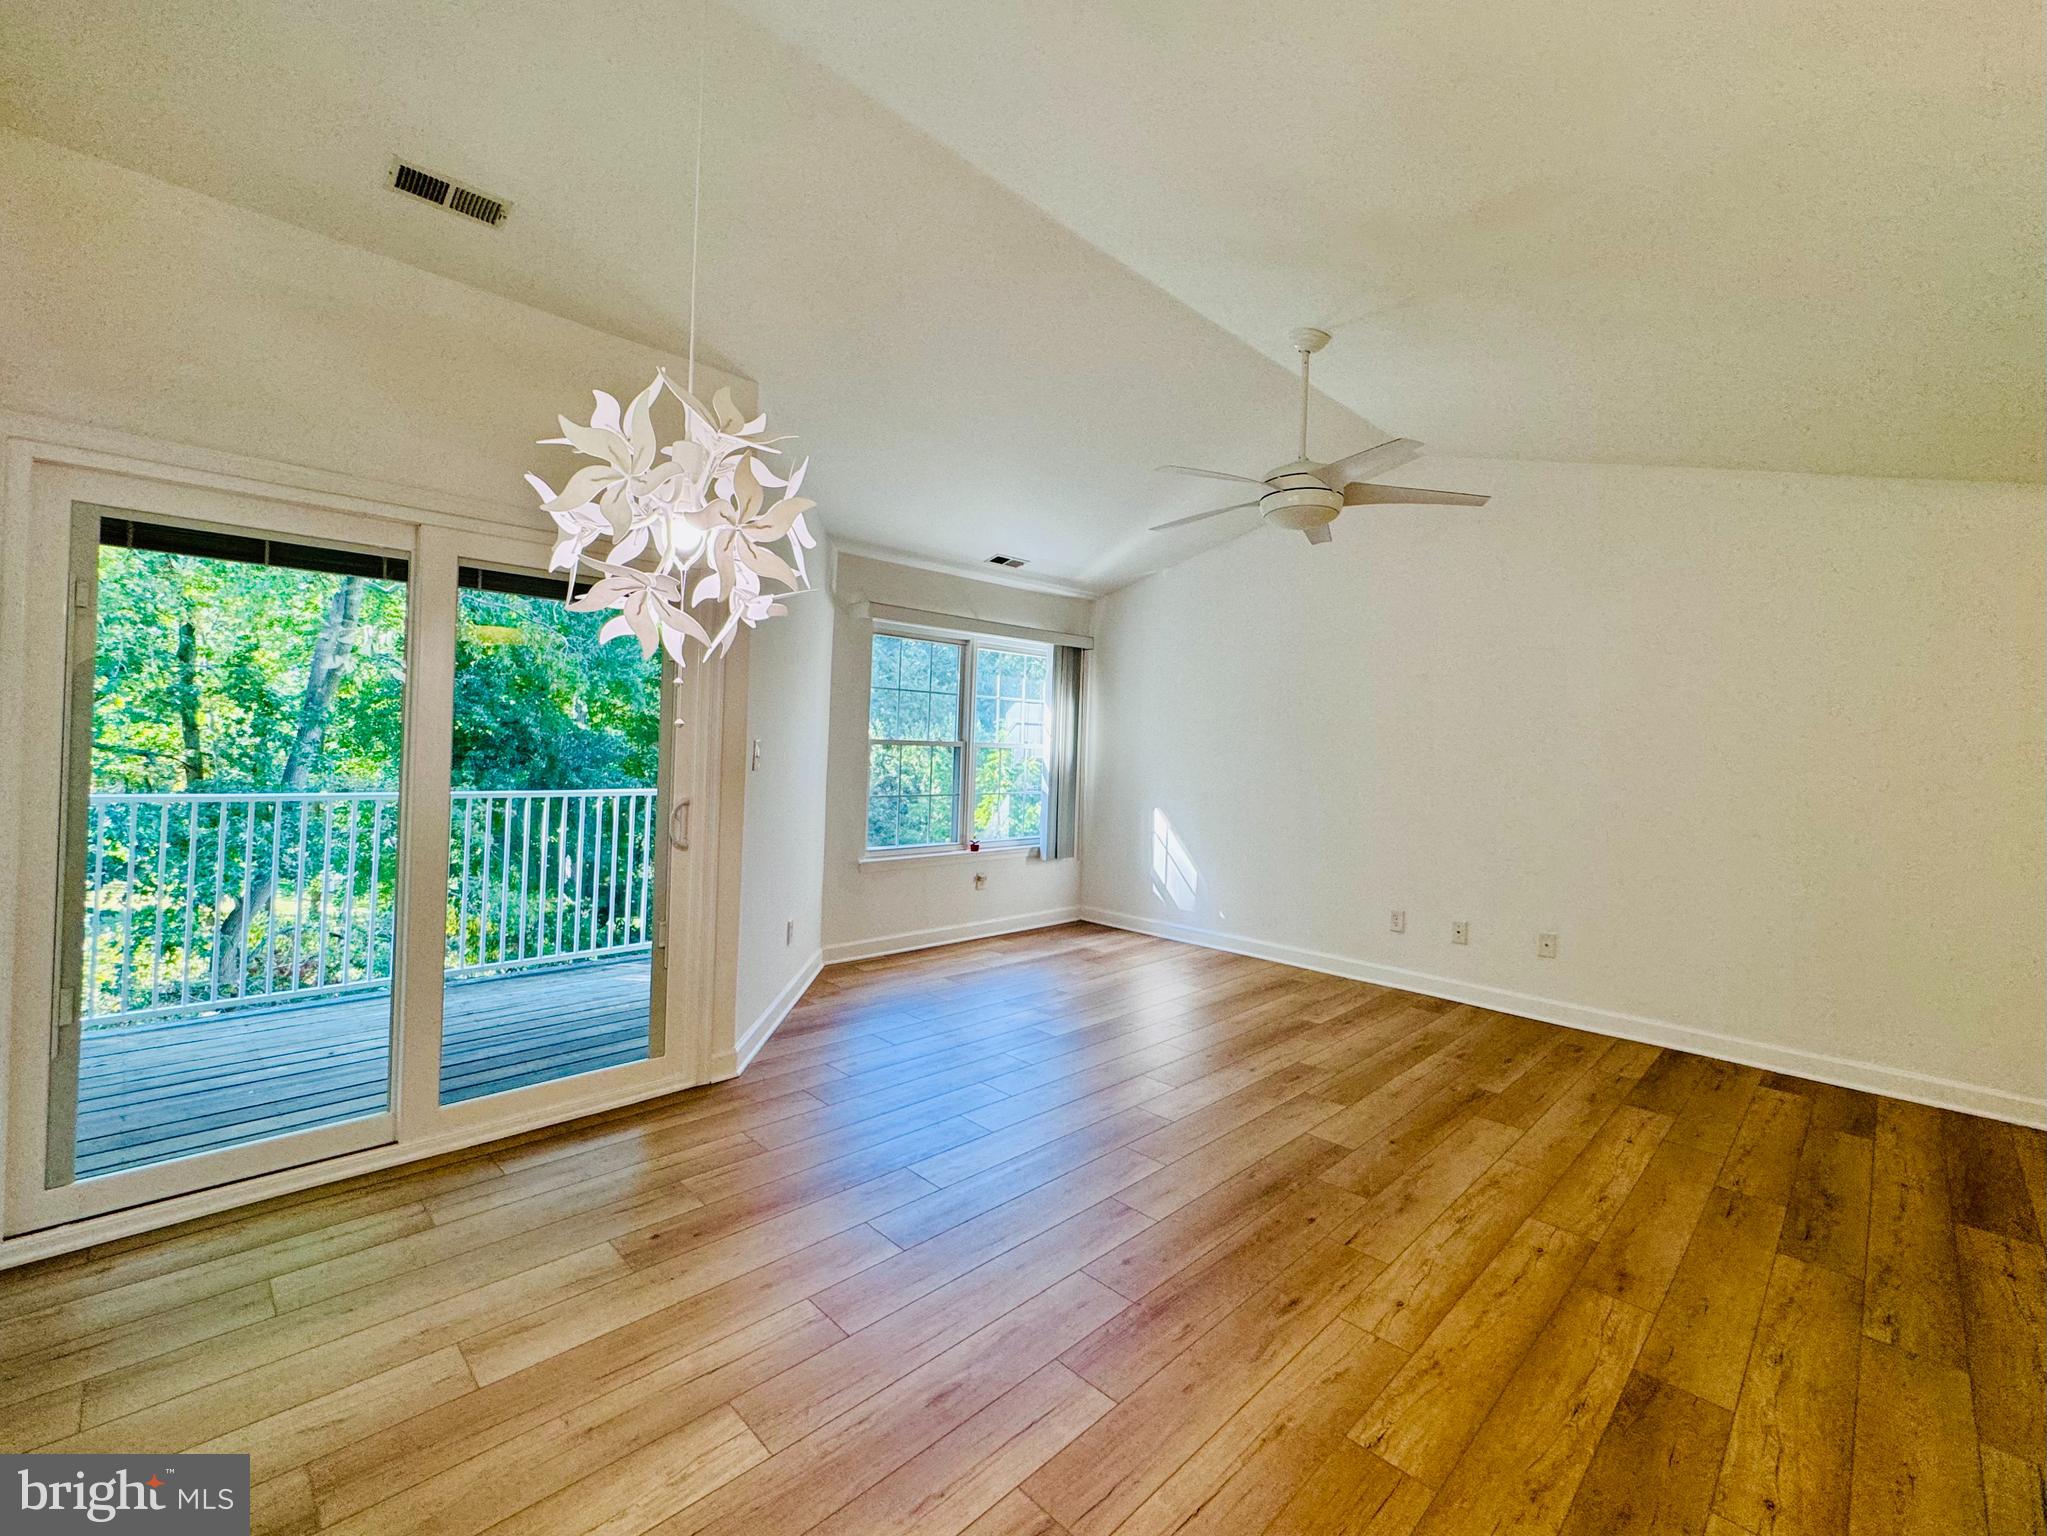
[(1084, 1232)]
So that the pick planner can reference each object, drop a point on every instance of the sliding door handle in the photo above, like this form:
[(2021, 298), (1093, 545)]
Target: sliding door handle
[(678, 825)]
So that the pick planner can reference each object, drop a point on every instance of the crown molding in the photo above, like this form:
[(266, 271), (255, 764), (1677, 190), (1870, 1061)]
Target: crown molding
[(995, 575)]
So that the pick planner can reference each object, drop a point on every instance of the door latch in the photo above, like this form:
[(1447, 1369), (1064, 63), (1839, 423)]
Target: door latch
[(678, 825)]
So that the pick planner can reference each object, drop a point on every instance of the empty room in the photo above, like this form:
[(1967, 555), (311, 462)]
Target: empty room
[(772, 767)]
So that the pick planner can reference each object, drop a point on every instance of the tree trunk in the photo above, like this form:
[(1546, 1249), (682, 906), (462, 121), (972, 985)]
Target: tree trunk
[(339, 629), (188, 703)]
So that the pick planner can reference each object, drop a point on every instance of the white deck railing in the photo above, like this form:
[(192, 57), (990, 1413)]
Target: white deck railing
[(197, 903)]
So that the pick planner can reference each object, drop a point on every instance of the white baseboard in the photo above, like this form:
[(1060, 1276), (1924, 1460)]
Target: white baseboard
[(758, 1033), (1843, 1072), (956, 933)]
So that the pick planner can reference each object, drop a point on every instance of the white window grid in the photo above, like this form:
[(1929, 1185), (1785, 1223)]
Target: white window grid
[(965, 743)]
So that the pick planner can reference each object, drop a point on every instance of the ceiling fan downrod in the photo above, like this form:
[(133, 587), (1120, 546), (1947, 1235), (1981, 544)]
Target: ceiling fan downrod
[(1307, 341)]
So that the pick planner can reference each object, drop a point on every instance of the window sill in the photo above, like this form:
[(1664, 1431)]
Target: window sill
[(920, 855)]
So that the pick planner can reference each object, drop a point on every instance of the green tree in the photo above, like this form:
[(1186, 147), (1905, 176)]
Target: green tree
[(217, 676), (541, 704)]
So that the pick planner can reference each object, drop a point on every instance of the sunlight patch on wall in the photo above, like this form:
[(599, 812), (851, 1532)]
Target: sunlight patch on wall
[(1173, 876)]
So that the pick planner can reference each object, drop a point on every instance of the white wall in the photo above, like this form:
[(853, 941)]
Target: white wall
[(782, 854), (889, 904), (132, 304), (1764, 750)]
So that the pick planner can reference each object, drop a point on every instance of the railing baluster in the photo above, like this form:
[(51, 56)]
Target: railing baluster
[(245, 908), (582, 871), (483, 890), (505, 885), (320, 894), (632, 848), (376, 883), (191, 877), (125, 971), (462, 888), (500, 894), (218, 906), (649, 871), (610, 871), (596, 867), (270, 907), (348, 896), (525, 860), (540, 879), (644, 843), (584, 888), (558, 866), (495, 811), (643, 847), (156, 901), (600, 892), (597, 856), (298, 896), (593, 858), (96, 819)]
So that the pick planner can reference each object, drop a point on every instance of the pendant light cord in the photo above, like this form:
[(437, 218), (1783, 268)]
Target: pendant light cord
[(696, 195), (696, 207)]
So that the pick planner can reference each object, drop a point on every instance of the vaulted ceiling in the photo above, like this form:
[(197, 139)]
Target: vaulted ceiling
[(1795, 235), (996, 261)]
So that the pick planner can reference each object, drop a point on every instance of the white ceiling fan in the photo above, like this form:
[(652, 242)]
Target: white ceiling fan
[(1306, 496)]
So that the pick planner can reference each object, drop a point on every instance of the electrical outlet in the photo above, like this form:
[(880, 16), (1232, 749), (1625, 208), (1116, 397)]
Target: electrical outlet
[(980, 882), (1460, 933), (1399, 920), (1546, 946), (789, 932)]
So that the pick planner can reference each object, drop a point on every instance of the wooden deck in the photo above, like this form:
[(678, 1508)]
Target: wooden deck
[(156, 1091)]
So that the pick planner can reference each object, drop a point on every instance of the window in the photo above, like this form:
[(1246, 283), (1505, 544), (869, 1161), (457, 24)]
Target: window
[(1010, 744), (957, 738)]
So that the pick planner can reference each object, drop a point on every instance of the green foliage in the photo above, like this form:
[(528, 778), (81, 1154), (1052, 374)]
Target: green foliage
[(255, 627), (204, 679), (539, 703)]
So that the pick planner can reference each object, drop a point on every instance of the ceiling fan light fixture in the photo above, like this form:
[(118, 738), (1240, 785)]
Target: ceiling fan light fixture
[(1301, 508), (1305, 496)]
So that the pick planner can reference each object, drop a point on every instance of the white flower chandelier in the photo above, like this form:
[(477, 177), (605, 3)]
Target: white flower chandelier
[(684, 527)]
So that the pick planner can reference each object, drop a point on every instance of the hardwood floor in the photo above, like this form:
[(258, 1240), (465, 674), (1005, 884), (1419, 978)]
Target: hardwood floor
[(1081, 1232)]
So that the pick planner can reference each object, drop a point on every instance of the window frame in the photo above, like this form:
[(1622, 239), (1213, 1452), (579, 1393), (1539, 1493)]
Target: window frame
[(965, 744)]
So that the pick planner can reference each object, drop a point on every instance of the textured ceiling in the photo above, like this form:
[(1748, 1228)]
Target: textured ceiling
[(993, 262), (1793, 236)]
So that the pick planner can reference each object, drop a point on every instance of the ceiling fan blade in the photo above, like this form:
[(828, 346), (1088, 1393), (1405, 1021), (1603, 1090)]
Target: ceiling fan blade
[(1206, 474), (1319, 534), (1375, 460), (1201, 517), (1407, 496)]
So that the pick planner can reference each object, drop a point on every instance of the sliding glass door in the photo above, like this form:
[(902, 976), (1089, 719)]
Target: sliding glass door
[(354, 841), (554, 841), (238, 874)]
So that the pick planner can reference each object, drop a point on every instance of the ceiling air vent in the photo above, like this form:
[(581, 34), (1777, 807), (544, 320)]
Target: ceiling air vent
[(451, 195), (1009, 562)]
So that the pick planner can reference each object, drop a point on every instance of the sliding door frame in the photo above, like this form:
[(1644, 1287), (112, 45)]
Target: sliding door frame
[(679, 999), (42, 1069), (45, 476)]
